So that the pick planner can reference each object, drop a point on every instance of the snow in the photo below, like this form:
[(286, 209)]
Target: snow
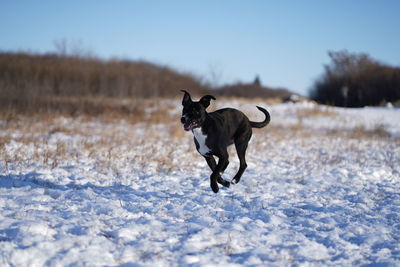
[(321, 188)]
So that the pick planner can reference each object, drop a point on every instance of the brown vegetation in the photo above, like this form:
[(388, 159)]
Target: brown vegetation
[(113, 136), (81, 84), (48, 82), (251, 90)]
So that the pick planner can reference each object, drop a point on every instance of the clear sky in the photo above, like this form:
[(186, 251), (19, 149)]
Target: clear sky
[(224, 41)]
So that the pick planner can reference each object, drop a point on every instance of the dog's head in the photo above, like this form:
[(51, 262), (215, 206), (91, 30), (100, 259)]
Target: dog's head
[(194, 113)]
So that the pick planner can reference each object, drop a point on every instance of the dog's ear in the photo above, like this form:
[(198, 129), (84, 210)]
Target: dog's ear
[(205, 100), (186, 98)]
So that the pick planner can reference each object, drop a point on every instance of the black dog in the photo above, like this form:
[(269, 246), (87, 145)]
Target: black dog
[(214, 132)]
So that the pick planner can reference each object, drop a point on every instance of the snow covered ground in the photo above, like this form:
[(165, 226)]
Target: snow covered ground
[(322, 188)]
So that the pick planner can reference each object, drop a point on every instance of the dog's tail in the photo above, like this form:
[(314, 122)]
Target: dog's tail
[(263, 123)]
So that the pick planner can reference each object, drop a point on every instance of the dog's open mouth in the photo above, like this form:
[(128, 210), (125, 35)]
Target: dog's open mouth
[(189, 126)]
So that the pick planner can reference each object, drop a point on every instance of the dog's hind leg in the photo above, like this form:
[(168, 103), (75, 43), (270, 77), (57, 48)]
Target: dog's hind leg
[(241, 151)]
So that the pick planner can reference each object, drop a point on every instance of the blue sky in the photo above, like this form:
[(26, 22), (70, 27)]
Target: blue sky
[(284, 42)]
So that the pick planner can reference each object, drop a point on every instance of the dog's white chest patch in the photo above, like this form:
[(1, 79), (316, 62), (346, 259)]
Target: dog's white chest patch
[(201, 140)]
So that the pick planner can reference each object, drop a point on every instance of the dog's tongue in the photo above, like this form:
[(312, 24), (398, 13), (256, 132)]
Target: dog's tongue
[(187, 126)]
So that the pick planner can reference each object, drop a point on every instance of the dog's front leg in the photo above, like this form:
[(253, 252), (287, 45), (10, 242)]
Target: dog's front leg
[(213, 182), (213, 165), (213, 178), (216, 175), (211, 162)]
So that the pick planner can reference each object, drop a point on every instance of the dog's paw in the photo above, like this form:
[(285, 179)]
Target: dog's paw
[(223, 182), (214, 187), (234, 181)]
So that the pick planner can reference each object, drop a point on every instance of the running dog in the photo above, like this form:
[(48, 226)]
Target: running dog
[(214, 132)]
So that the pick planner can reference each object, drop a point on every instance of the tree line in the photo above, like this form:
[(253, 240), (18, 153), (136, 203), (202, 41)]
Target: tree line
[(30, 82), (357, 80)]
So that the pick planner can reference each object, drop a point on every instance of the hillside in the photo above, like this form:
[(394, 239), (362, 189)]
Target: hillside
[(29, 81), (251, 90), (76, 84)]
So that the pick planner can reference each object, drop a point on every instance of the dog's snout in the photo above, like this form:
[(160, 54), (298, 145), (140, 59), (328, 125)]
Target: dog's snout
[(183, 119)]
